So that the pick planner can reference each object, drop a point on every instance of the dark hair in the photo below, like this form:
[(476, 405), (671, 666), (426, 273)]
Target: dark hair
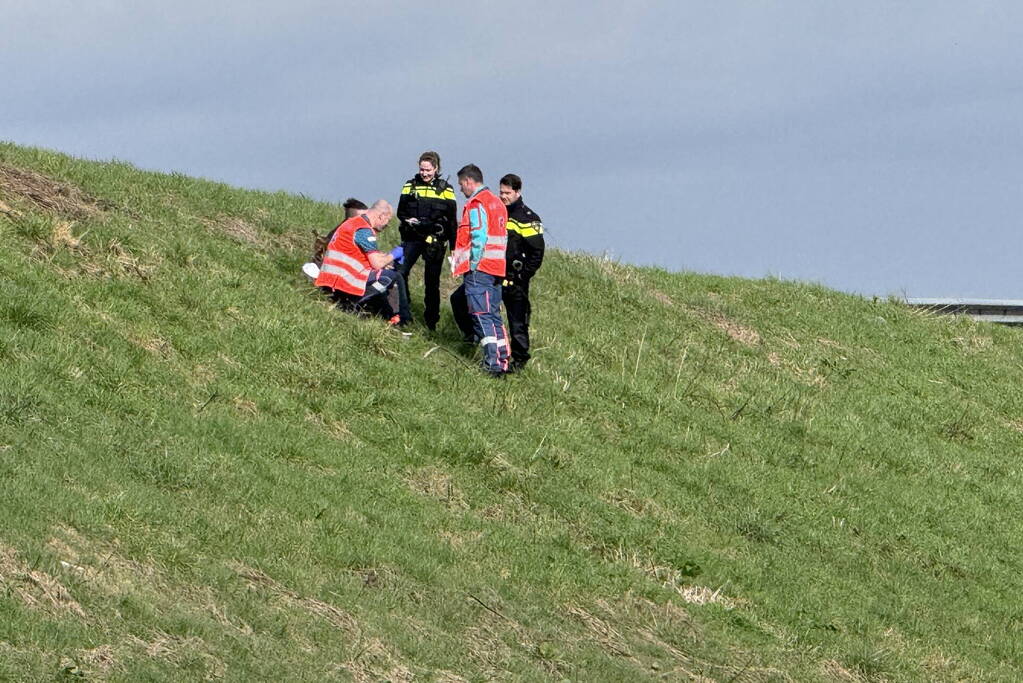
[(433, 158), (353, 206), (471, 171), (512, 181)]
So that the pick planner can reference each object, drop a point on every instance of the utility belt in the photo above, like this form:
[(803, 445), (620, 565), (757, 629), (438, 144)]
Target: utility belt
[(514, 273), (435, 247)]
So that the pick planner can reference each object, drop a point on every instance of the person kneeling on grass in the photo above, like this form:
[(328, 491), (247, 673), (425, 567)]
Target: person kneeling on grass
[(353, 207), (356, 272)]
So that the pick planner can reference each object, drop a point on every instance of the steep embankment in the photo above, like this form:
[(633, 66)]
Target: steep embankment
[(204, 471)]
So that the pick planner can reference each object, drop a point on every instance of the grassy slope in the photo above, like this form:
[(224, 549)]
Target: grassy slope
[(204, 471)]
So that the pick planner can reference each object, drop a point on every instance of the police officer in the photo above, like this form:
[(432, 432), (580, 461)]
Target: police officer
[(524, 256), (427, 214)]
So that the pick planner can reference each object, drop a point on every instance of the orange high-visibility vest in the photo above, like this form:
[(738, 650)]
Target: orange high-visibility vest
[(345, 266), (492, 260)]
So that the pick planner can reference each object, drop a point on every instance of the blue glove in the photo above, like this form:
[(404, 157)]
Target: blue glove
[(398, 253)]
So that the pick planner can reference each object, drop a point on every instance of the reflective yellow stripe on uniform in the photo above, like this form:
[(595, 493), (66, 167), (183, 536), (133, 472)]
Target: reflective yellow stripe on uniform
[(525, 229), (428, 192)]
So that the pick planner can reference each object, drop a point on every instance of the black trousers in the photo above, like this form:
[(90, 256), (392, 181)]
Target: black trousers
[(516, 303), (433, 262), (460, 309)]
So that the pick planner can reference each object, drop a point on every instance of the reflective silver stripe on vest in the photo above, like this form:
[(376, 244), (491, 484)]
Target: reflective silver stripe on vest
[(459, 257), (495, 247), (344, 274), (346, 259)]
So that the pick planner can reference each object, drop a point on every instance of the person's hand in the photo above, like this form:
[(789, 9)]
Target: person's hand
[(397, 254)]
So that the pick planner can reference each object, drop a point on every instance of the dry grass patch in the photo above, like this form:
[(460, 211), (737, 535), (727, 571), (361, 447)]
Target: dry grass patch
[(432, 482), (99, 561), (514, 509), (98, 661), (603, 632), (236, 228), (115, 260), (374, 577), (177, 649), (48, 193), (487, 648), (102, 567), (647, 635), (973, 343), (337, 429), (671, 578), (635, 505), (488, 645), (458, 541), (663, 298), (808, 375), (736, 331), (61, 237), (35, 588), (375, 662), (129, 263), (245, 406), (335, 616), (154, 345), (834, 671), (613, 269), (8, 211)]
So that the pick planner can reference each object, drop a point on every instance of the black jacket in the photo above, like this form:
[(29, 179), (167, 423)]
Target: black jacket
[(525, 242), (433, 204)]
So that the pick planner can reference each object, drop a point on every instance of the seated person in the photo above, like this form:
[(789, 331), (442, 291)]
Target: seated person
[(352, 207), (355, 273)]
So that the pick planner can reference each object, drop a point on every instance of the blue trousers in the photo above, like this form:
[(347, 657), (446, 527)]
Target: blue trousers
[(386, 295), (480, 295)]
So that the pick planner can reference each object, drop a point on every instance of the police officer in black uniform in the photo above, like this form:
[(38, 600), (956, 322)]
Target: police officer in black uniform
[(524, 254), (427, 214)]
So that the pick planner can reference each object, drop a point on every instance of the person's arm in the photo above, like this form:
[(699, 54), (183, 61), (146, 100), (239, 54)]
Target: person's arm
[(450, 222), (379, 259), (366, 240), (404, 212), (477, 232), (534, 253)]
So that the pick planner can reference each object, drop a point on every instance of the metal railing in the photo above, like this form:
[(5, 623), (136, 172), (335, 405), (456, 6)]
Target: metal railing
[(1002, 311)]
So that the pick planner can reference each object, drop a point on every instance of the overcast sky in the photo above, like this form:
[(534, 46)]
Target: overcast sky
[(875, 147)]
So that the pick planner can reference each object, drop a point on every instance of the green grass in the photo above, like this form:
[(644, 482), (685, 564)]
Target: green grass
[(205, 472)]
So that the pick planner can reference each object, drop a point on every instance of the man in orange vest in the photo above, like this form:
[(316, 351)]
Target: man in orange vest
[(355, 270), (479, 256)]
